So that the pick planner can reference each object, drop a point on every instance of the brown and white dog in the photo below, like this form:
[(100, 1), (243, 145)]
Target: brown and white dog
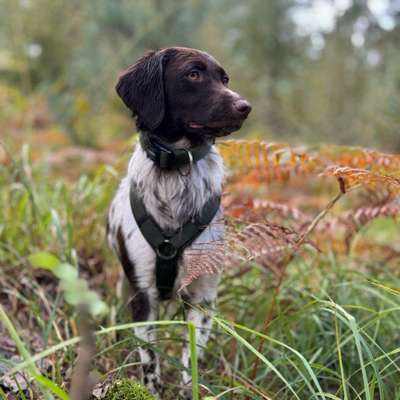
[(180, 96)]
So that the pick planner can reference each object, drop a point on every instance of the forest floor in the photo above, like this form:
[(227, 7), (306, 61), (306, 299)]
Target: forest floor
[(321, 322)]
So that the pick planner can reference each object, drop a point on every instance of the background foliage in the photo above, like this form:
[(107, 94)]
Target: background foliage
[(315, 70), (313, 312)]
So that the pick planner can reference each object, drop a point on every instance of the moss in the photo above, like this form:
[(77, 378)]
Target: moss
[(127, 389)]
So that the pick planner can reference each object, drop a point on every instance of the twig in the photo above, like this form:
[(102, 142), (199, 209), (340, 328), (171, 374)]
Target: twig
[(82, 382)]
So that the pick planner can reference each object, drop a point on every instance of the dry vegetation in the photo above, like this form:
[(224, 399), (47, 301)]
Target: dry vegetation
[(309, 303)]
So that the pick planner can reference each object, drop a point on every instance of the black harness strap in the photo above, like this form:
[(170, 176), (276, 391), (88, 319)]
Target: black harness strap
[(168, 248)]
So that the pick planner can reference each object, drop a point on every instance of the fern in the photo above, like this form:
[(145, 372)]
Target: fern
[(267, 232), (350, 178), (262, 162), (266, 244), (355, 220)]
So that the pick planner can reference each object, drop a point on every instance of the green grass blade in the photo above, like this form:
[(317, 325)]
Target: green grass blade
[(240, 339), (350, 321), (31, 367), (193, 361), (52, 386), (75, 340), (298, 354), (339, 353)]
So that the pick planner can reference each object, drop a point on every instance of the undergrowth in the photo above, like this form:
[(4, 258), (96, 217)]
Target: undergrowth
[(322, 326)]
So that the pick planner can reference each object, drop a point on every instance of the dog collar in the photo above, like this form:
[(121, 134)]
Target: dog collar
[(167, 157)]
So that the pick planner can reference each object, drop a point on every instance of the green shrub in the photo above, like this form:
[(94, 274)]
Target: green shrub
[(127, 389)]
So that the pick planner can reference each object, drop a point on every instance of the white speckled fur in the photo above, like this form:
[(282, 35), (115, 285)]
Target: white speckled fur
[(180, 197), (172, 198)]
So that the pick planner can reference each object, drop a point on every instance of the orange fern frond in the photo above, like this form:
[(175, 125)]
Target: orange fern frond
[(344, 226), (374, 198), (284, 210), (266, 244), (350, 178), (255, 162), (356, 219), (273, 160), (357, 157), (253, 209)]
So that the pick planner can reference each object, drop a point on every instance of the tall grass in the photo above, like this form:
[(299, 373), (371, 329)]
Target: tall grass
[(333, 335)]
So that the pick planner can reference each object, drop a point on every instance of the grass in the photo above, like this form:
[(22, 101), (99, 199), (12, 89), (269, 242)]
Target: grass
[(334, 332)]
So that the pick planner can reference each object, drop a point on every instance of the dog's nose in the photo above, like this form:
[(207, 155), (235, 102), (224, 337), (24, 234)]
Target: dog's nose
[(243, 107)]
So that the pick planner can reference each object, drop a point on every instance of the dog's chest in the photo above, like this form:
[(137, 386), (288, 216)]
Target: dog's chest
[(174, 197)]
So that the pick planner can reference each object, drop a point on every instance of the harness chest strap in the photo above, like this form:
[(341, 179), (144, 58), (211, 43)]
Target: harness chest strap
[(168, 248)]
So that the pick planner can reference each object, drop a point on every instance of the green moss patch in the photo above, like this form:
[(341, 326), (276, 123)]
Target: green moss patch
[(127, 389)]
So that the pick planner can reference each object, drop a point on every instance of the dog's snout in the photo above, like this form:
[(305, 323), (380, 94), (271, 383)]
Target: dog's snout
[(243, 106)]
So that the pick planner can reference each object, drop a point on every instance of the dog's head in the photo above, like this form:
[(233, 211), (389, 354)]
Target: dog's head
[(182, 92)]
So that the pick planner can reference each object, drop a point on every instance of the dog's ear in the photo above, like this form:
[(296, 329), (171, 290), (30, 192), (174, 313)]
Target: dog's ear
[(141, 88)]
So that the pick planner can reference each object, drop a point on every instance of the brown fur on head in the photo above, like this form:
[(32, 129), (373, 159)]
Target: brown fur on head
[(178, 92)]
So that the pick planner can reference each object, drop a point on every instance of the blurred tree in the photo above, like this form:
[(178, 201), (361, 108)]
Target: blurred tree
[(42, 33), (263, 43), (335, 82)]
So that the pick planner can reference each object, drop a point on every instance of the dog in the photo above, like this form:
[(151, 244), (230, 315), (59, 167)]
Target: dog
[(182, 103)]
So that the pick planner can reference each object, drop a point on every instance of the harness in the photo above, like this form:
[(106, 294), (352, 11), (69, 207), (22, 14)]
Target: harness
[(169, 247)]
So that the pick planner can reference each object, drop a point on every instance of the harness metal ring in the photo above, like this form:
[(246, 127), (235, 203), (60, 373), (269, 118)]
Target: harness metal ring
[(166, 250)]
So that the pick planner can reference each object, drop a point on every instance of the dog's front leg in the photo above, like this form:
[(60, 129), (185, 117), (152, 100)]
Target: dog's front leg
[(144, 305)]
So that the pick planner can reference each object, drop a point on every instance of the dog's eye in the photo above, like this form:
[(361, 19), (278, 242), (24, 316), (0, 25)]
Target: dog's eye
[(225, 79), (194, 75)]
